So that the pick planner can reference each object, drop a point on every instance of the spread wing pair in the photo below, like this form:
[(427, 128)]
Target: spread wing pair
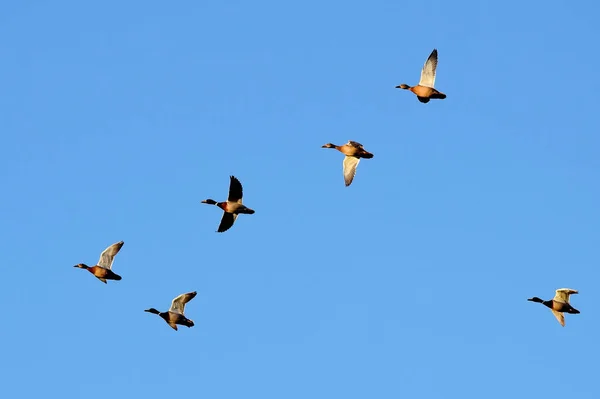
[(236, 192), (232, 207), (562, 296)]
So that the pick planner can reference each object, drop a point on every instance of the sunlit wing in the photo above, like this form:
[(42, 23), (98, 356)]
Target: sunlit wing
[(350, 164), (178, 304), (559, 316), (428, 71), (562, 294), (108, 255)]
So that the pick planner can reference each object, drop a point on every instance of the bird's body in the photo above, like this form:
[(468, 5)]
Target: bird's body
[(232, 207), (559, 304), (425, 90), (353, 151), (102, 270), (175, 315)]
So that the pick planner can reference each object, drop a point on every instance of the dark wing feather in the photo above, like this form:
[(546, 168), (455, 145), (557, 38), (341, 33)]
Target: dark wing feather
[(226, 221), (235, 190)]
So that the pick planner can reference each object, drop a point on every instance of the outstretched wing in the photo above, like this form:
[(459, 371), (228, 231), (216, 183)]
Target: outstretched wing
[(235, 190), (562, 294), (428, 72), (178, 304), (226, 221), (350, 164), (107, 257), (559, 316)]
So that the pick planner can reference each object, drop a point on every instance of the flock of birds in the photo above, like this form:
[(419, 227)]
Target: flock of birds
[(353, 152)]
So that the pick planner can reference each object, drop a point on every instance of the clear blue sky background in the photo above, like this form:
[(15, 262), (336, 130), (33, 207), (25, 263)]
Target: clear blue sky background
[(118, 118)]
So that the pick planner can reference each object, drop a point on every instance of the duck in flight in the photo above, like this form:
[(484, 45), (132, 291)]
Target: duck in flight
[(102, 270), (353, 151), (559, 304), (424, 90), (232, 207), (175, 314)]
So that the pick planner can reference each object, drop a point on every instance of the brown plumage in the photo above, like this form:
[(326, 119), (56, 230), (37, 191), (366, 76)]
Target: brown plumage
[(559, 304), (232, 207), (175, 314), (424, 90), (103, 269), (353, 152)]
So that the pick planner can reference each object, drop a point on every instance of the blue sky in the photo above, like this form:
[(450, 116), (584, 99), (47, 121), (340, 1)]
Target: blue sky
[(118, 119)]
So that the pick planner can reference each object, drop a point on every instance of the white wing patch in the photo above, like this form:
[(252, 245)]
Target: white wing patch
[(350, 164), (107, 257), (428, 71)]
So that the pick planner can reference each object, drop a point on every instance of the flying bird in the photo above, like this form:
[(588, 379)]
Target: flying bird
[(354, 152), (559, 304), (232, 207), (424, 90), (102, 270), (175, 314)]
